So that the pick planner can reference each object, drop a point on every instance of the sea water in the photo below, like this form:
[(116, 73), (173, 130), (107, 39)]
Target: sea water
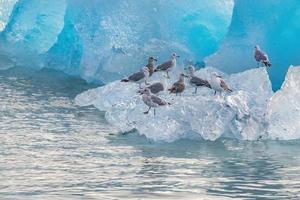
[(52, 149)]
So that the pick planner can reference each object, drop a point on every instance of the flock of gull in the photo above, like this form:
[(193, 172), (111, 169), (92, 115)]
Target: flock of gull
[(150, 91)]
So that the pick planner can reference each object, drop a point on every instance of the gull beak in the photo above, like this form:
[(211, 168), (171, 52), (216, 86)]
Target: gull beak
[(219, 76), (177, 56), (155, 59)]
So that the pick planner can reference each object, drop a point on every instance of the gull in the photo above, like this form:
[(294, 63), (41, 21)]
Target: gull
[(196, 81), (218, 84), (168, 65), (151, 65), (179, 86), (138, 77), (152, 101), (155, 88), (261, 57)]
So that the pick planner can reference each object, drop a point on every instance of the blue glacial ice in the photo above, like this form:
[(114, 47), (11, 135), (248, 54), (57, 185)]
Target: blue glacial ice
[(104, 40), (274, 25), (34, 25), (6, 7)]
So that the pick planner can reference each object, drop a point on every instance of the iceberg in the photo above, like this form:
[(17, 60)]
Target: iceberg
[(102, 40), (283, 112), (6, 7), (274, 25), (203, 115), (34, 25)]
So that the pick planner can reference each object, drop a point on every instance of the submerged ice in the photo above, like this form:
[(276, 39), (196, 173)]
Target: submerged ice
[(240, 114)]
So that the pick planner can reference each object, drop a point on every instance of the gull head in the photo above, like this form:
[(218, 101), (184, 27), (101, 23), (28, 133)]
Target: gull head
[(182, 76), (152, 59), (257, 47), (146, 91), (216, 75), (190, 70), (174, 56)]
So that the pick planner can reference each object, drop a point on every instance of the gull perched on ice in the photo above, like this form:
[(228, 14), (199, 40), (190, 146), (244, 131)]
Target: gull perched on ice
[(261, 57), (155, 88), (168, 65), (218, 84), (196, 81), (152, 101), (138, 77), (179, 86), (151, 65)]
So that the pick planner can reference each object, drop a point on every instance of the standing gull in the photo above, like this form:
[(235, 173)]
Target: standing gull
[(218, 84), (152, 101), (151, 65), (196, 81), (155, 88), (168, 65), (261, 57), (179, 86), (138, 77)]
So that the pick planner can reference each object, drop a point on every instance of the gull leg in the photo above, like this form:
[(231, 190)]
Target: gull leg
[(146, 83), (168, 75), (215, 92), (140, 85), (196, 90), (154, 111), (147, 112), (257, 64)]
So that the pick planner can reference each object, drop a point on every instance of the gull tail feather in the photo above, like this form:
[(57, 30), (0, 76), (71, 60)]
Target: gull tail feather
[(267, 63), (125, 80)]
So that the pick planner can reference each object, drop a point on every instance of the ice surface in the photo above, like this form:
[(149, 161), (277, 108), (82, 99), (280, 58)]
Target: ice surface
[(34, 24), (6, 7), (239, 114), (115, 38), (274, 25), (284, 108)]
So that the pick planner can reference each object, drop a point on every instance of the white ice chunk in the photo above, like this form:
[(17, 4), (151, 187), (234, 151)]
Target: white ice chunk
[(284, 108), (239, 114)]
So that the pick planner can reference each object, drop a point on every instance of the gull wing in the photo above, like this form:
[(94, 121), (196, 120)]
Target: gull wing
[(137, 76), (158, 100), (165, 66)]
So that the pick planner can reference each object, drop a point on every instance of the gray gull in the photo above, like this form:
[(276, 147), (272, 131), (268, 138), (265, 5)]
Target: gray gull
[(152, 101), (261, 57), (138, 77), (168, 65)]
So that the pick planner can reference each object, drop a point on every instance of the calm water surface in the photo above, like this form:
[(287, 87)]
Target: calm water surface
[(51, 149)]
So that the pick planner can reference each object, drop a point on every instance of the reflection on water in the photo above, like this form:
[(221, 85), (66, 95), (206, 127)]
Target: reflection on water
[(51, 149)]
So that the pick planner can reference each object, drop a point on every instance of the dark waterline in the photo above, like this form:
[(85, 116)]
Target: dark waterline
[(51, 149)]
